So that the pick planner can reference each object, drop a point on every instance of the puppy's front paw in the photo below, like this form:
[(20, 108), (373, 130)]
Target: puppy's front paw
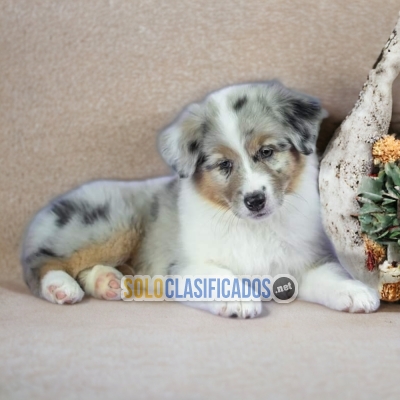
[(355, 297), (60, 288), (236, 309)]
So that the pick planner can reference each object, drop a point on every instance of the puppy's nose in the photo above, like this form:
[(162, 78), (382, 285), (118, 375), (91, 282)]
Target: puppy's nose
[(255, 201)]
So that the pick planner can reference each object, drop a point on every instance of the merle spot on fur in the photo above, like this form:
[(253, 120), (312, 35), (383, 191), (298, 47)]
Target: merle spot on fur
[(174, 167), (297, 115), (42, 252), (205, 127), (64, 210), (283, 145), (239, 103), (171, 267), (250, 132), (305, 109), (193, 146), (46, 252), (201, 160), (89, 217), (172, 184), (298, 125), (154, 208)]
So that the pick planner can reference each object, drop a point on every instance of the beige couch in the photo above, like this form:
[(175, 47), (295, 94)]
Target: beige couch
[(84, 87)]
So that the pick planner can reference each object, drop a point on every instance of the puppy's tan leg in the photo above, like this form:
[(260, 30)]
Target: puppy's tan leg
[(90, 268)]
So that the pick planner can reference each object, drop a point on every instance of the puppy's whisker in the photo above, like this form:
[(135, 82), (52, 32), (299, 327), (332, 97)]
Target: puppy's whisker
[(299, 196), (227, 224), (221, 213), (286, 202), (232, 221)]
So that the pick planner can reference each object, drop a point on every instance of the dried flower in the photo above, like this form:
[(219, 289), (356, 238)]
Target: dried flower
[(376, 253), (386, 149)]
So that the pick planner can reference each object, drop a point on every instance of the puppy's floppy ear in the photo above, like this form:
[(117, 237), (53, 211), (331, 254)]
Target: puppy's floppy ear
[(303, 115), (180, 143)]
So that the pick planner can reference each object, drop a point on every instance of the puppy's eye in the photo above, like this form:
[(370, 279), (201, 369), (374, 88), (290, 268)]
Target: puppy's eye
[(225, 166), (265, 152)]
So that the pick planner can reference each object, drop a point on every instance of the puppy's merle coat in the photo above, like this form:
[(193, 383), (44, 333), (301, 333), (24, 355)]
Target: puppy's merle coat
[(244, 202)]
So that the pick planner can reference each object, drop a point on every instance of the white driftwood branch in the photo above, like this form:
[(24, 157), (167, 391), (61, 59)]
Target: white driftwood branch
[(348, 158)]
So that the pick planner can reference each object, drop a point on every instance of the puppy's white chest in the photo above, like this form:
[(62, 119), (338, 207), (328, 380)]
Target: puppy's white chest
[(248, 251)]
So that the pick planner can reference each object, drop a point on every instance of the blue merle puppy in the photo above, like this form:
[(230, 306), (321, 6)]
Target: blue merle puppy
[(244, 201)]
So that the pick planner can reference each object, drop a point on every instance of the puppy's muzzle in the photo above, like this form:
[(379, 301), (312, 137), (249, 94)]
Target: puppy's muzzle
[(255, 201)]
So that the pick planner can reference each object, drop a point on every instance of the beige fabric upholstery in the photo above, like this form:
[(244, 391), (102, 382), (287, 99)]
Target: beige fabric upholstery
[(108, 350), (84, 87)]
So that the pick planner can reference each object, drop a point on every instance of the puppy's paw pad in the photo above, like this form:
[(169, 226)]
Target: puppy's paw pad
[(114, 284), (60, 288), (356, 297), (61, 295), (108, 286)]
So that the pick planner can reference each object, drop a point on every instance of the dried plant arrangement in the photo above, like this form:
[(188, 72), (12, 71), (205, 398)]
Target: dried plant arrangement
[(360, 182)]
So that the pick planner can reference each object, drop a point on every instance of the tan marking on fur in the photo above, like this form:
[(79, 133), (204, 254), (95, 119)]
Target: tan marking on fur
[(125, 269), (209, 188), (226, 152), (284, 177), (256, 141), (114, 252), (214, 190), (295, 170)]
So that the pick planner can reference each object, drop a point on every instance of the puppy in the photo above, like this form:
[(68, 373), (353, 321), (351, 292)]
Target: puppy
[(245, 202)]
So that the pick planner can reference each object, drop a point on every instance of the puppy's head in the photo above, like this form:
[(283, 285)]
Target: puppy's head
[(244, 146)]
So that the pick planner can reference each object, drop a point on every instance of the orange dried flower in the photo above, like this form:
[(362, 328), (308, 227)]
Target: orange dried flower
[(386, 149)]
